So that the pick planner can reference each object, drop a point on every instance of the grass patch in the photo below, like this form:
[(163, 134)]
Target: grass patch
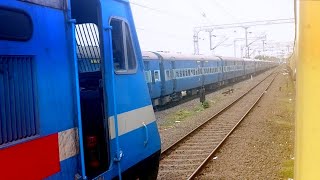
[(202, 106), (199, 108), (183, 114), (176, 117), (206, 104), (287, 169)]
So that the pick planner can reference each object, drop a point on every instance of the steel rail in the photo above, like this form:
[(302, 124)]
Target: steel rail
[(205, 162), (171, 147)]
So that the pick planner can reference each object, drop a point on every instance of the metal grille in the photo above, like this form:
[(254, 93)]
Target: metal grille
[(17, 99), (88, 50)]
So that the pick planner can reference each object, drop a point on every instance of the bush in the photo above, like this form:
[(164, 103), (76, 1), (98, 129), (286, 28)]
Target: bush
[(205, 104)]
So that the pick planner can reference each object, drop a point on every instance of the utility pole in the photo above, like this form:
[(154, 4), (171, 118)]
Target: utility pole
[(246, 37), (210, 37), (245, 25), (196, 42), (263, 45), (241, 51), (243, 39), (235, 48)]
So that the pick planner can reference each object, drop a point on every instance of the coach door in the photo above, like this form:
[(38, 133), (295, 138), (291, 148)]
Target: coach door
[(89, 54)]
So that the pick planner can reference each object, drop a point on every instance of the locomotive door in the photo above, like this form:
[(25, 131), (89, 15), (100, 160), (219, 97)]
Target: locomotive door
[(95, 130)]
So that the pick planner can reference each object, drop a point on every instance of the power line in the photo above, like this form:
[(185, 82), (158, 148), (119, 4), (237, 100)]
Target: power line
[(161, 11), (226, 11), (147, 7), (171, 35), (202, 12), (246, 24)]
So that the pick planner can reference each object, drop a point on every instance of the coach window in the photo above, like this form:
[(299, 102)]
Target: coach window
[(148, 76), (156, 76), (177, 73), (123, 53), (168, 75)]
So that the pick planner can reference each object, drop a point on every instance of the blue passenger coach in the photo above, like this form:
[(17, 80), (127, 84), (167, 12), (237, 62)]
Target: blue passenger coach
[(152, 73), (168, 82), (249, 66), (73, 99), (186, 74), (212, 71), (186, 71)]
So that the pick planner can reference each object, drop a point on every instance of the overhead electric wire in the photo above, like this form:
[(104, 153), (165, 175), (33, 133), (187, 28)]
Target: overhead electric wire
[(202, 12), (161, 11), (226, 11), (176, 36)]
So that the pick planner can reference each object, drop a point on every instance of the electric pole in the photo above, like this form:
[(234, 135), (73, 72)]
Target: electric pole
[(246, 37), (263, 41), (245, 25)]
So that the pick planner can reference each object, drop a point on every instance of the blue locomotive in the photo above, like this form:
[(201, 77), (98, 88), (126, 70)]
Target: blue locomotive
[(168, 75), (73, 99)]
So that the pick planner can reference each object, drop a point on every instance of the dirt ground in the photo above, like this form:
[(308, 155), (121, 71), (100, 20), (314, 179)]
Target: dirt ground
[(263, 146)]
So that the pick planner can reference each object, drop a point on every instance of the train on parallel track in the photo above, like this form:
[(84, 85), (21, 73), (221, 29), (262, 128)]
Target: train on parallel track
[(169, 75)]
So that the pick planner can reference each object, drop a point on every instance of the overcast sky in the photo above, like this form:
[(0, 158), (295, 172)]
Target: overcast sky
[(167, 25)]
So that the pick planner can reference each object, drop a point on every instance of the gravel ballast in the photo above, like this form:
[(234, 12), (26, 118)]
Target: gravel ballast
[(177, 121), (262, 146), (184, 159)]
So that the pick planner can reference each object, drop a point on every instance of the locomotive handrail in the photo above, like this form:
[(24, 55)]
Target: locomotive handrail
[(77, 91), (147, 134), (114, 99)]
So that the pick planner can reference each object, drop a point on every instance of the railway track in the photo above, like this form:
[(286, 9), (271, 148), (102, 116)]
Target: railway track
[(187, 156)]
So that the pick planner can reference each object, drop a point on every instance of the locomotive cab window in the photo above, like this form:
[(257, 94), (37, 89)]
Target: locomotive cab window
[(15, 25), (124, 58)]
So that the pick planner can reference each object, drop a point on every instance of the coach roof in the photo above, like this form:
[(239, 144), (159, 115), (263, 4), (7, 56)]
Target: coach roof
[(177, 56), (149, 55)]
